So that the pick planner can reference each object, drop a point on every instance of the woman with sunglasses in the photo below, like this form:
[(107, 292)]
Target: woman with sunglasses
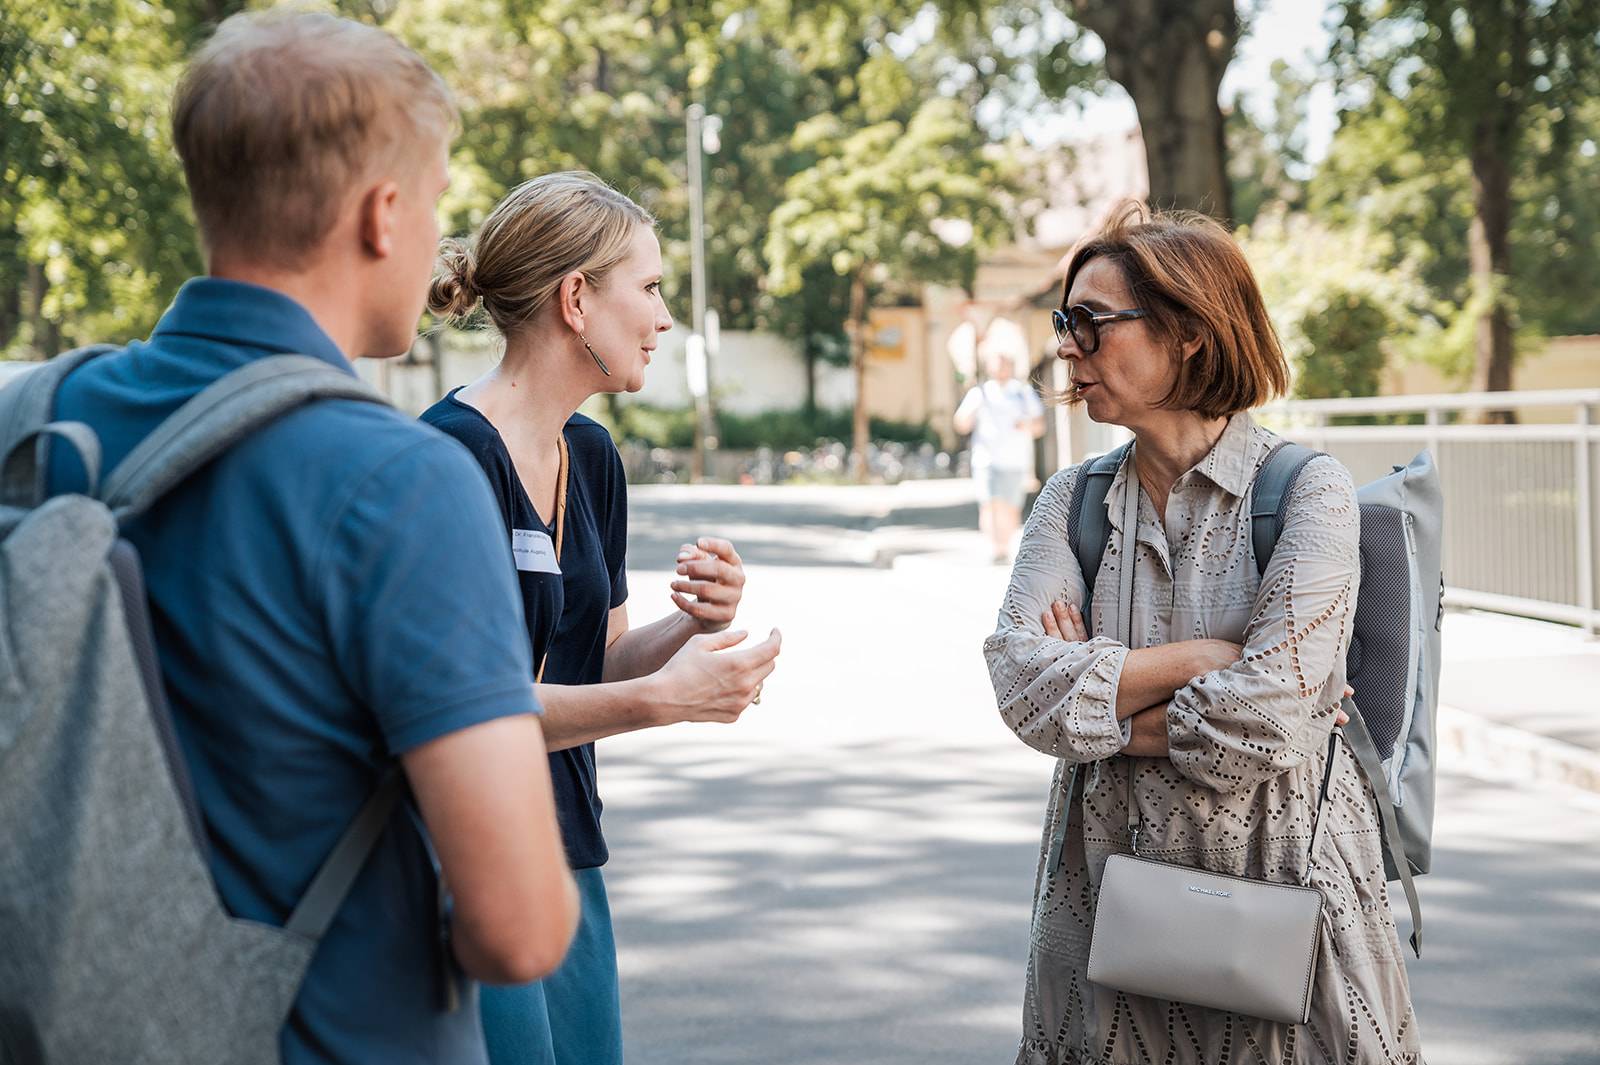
[(1215, 722)]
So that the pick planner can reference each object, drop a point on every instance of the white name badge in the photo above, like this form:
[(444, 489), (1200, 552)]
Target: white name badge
[(533, 551)]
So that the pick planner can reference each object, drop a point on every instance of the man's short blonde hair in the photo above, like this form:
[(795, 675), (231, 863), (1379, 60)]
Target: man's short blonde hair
[(282, 112)]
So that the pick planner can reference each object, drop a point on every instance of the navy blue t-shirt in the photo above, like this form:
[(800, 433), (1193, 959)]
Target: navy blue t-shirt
[(327, 595), (566, 614)]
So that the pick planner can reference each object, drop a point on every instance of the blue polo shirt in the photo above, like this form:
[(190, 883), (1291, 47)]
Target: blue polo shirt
[(332, 592)]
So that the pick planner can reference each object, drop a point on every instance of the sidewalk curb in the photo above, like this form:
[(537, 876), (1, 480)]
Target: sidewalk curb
[(1503, 750), (908, 500)]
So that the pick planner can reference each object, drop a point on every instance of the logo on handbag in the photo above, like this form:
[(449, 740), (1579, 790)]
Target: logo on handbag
[(1211, 891)]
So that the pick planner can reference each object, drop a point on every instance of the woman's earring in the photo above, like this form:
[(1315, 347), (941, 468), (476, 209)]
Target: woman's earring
[(597, 360)]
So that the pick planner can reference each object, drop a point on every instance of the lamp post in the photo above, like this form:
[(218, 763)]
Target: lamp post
[(703, 140)]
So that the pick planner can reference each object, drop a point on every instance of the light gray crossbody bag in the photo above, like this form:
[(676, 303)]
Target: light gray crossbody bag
[(1181, 934)]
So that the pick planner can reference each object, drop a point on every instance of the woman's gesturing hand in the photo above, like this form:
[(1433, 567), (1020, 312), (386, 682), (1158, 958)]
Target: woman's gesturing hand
[(712, 583), (707, 681)]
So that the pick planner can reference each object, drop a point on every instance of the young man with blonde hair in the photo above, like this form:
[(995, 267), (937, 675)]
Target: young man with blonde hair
[(329, 596)]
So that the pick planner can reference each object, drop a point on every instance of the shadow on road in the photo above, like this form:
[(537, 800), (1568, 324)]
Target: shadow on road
[(1510, 970), (871, 904), (802, 533), (822, 909)]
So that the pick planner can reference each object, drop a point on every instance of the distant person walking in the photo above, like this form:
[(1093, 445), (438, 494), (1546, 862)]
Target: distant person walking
[(1005, 416), (568, 270), (330, 596)]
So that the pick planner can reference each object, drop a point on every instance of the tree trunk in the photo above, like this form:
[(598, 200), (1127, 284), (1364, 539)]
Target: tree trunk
[(1170, 56), (10, 313), (809, 350), (859, 431), (38, 327), (1489, 248), (1494, 137)]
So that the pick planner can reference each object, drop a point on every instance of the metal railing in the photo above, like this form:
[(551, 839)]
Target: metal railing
[(1521, 502)]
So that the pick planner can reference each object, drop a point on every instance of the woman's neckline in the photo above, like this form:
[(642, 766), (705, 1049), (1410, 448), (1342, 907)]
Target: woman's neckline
[(522, 489)]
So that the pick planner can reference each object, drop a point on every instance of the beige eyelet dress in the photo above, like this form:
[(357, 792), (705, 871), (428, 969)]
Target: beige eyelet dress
[(1248, 743)]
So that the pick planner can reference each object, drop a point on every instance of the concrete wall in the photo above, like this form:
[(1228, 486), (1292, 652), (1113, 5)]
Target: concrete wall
[(753, 372), (1562, 362)]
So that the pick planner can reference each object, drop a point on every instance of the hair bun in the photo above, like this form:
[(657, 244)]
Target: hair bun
[(454, 294)]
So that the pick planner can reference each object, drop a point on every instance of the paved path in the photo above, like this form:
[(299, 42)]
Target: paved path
[(844, 876)]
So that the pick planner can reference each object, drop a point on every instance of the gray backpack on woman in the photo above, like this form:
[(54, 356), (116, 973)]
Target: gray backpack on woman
[(1393, 663), (116, 947)]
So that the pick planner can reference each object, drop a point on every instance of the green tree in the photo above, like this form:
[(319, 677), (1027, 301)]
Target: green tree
[(874, 203), (95, 234), (1346, 302), (623, 81), (1267, 163), (1169, 55), (1385, 173), (1487, 72)]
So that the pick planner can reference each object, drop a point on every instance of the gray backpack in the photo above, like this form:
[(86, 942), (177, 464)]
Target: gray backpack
[(1393, 662), (116, 946)]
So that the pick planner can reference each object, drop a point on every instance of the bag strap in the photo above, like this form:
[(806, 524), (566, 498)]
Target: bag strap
[(1089, 531), (24, 467), (224, 413), (1366, 752), (29, 402), (561, 527), (1087, 527), (1130, 551), (227, 411), (1130, 528), (27, 409), (1269, 495), (1269, 499), (333, 881)]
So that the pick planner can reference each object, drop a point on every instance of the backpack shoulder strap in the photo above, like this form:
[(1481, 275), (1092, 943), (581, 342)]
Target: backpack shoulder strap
[(28, 403), (333, 881), (1087, 526), (1366, 754), (27, 407), (1273, 482), (226, 412)]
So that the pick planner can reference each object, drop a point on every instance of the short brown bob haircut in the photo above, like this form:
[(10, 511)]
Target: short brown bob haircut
[(283, 112), (1192, 279)]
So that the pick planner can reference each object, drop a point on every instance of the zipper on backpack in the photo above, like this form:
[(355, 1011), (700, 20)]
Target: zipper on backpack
[(1411, 537)]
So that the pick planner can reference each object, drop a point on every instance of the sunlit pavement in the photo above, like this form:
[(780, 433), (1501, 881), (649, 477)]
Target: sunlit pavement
[(845, 875)]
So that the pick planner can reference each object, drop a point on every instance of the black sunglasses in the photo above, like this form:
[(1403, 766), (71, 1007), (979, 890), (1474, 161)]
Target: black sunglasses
[(1083, 325)]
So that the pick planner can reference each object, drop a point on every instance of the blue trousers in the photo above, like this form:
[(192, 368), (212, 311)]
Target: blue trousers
[(574, 1015)]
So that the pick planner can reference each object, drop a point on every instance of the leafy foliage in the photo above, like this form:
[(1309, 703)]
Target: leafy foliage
[(94, 229)]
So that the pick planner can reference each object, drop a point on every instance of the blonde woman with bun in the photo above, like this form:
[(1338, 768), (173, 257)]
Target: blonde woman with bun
[(568, 271)]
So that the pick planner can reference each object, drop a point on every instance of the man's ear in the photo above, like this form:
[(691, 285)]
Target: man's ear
[(378, 218), (572, 294)]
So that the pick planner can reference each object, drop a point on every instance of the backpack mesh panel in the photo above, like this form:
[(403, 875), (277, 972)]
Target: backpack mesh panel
[(1380, 651)]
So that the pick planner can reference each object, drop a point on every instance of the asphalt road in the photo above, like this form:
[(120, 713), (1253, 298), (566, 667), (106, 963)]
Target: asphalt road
[(845, 875)]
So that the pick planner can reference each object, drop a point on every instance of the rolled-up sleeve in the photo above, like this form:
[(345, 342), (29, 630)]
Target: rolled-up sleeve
[(1234, 728), (1058, 696)]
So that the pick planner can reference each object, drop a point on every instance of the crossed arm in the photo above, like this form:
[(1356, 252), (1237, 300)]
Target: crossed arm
[(1151, 677)]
